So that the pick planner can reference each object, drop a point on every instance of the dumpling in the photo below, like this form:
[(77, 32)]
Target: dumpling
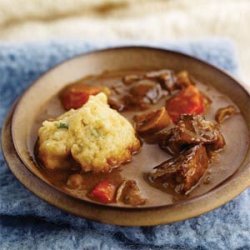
[(95, 136)]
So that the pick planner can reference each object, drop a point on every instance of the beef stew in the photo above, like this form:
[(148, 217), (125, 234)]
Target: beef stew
[(172, 114)]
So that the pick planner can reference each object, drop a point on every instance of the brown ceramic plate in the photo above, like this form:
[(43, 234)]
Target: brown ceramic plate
[(231, 174)]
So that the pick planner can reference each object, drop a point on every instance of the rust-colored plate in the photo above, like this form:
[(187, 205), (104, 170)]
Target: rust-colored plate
[(18, 146)]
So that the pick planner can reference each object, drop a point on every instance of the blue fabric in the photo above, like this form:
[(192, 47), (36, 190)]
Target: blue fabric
[(26, 222)]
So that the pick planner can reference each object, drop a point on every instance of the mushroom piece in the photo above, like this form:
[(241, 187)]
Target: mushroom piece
[(183, 79), (75, 181), (152, 122), (224, 113), (129, 193), (129, 79)]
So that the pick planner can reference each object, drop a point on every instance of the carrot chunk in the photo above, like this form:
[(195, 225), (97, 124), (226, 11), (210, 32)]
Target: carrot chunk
[(74, 100), (77, 94), (187, 101), (103, 192)]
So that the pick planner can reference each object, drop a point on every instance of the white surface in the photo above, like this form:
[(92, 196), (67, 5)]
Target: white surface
[(34, 20)]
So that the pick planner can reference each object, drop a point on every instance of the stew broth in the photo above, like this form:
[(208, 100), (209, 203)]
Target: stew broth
[(223, 165)]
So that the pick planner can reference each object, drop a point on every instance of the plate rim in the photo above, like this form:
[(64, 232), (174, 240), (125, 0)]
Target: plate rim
[(147, 48), (123, 217)]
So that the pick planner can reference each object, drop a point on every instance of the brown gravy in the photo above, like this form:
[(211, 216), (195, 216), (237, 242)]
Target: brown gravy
[(222, 167)]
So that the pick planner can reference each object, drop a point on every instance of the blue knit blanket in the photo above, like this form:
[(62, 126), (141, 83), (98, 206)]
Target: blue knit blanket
[(26, 222)]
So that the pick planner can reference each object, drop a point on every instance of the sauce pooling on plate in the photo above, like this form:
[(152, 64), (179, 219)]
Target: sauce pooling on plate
[(174, 134)]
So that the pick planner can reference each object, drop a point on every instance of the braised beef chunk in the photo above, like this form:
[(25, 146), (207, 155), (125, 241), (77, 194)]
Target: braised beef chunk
[(140, 91), (165, 77), (182, 172), (223, 113), (147, 91), (136, 92), (171, 81), (129, 193), (192, 130), (116, 103), (189, 141)]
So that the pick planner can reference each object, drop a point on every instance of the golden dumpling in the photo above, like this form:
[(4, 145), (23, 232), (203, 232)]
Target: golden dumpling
[(96, 136)]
